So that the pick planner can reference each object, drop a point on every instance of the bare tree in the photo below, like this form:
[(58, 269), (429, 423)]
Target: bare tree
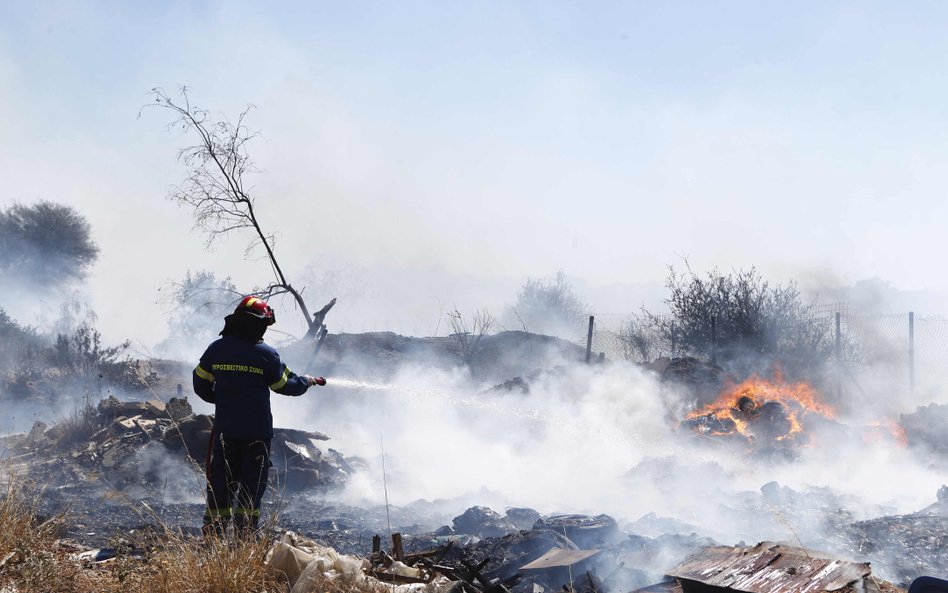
[(216, 189), (469, 336)]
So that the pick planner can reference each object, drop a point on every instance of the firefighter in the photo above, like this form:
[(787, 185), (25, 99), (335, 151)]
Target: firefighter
[(236, 374)]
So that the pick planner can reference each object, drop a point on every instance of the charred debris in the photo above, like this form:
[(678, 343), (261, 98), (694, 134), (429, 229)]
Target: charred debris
[(545, 559), (482, 551), (149, 452), (123, 466), (131, 446)]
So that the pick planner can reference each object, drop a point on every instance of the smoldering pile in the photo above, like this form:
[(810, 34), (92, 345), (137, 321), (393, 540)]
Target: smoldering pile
[(120, 451), (925, 431), (124, 443), (139, 448), (773, 418), (531, 553)]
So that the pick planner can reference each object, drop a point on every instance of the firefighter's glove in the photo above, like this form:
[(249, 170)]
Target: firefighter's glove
[(315, 381)]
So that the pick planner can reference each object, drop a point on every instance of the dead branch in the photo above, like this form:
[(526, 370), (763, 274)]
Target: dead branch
[(215, 186)]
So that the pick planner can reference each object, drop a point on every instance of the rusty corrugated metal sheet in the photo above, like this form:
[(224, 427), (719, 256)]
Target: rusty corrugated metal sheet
[(670, 586), (769, 568)]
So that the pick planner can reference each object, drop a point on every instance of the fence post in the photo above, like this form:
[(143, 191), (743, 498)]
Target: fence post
[(911, 352), (589, 339), (839, 354), (714, 339), (839, 338)]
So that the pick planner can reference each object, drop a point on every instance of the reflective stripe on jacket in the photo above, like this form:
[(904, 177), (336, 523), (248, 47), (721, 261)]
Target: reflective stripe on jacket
[(237, 376)]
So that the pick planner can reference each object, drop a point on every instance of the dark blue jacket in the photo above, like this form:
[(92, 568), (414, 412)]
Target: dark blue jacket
[(236, 376)]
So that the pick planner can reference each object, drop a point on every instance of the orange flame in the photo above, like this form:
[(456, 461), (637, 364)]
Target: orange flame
[(886, 428), (738, 404)]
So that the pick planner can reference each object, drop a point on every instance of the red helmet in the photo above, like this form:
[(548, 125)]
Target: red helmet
[(258, 308)]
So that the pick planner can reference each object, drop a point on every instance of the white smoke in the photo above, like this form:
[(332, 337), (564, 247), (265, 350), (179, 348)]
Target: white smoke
[(596, 439)]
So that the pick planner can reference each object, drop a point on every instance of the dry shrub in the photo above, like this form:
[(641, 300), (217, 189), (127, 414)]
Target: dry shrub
[(78, 426)]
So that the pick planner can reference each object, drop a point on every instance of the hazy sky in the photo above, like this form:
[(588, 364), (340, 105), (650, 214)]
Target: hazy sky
[(432, 154)]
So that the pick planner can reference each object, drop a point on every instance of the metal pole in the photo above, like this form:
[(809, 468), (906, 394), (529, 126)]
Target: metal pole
[(911, 353), (589, 339), (839, 338), (839, 353), (714, 340), (674, 332)]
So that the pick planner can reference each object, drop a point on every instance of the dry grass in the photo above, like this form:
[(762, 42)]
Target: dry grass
[(28, 553), (34, 560), (229, 565)]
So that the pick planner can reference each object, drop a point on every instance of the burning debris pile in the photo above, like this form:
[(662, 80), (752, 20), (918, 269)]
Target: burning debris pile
[(762, 413), (776, 417), (142, 448)]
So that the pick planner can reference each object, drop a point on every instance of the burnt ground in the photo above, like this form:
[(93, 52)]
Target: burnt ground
[(98, 480), (900, 547)]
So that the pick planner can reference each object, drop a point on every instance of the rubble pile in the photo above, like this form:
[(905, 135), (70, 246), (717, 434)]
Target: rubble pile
[(152, 450), (138, 447), (483, 522), (917, 539), (545, 559), (592, 549), (538, 547), (700, 379), (925, 431)]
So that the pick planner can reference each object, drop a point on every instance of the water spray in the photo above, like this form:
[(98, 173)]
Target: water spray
[(479, 402)]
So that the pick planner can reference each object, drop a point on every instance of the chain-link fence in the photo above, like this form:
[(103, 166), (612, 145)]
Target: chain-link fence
[(869, 353)]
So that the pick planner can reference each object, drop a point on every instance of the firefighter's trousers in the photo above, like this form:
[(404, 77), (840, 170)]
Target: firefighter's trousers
[(236, 482)]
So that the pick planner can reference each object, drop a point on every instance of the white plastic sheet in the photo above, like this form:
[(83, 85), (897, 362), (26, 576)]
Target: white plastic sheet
[(312, 568)]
